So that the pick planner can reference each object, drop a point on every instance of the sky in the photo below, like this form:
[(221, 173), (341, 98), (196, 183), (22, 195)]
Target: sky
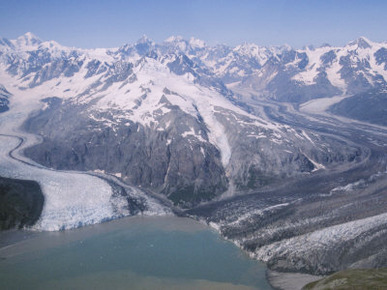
[(112, 23)]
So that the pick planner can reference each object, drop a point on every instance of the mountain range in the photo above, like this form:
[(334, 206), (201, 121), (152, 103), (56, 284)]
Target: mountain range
[(171, 116), (274, 147)]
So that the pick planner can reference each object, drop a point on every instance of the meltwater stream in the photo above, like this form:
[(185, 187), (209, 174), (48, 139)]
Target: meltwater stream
[(130, 253)]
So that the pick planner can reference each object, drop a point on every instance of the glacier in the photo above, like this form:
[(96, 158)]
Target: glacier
[(72, 199)]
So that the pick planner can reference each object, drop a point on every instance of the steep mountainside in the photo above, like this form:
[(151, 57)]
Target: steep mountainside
[(4, 96), (161, 117)]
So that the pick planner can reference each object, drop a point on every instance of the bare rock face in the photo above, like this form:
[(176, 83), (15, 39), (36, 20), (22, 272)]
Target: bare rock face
[(4, 99), (184, 169), (175, 156)]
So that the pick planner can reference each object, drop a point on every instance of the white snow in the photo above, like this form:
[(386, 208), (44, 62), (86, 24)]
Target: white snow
[(254, 51), (178, 41), (311, 70), (334, 76), (349, 187), (259, 136), (307, 137), (28, 41), (155, 77), (174, 38), (191, 132), (317, 166)]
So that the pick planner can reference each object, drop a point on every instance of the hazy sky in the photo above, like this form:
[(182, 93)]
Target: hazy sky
[(96, 23)]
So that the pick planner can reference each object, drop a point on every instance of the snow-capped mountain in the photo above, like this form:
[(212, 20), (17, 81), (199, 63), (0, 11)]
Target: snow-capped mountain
[(292, 75), (299, 75), (279, 72), (159, 116)]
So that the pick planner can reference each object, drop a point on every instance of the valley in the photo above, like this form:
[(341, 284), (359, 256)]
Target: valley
[(305, 225)]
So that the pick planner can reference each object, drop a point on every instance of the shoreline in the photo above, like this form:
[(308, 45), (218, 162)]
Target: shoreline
[(276, 279), (289, 281)]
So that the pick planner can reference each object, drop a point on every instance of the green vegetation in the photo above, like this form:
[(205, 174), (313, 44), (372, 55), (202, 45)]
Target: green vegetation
[(355, 279), (21, 203)]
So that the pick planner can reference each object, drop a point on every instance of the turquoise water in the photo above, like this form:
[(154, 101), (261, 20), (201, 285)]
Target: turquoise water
[(133, 253)]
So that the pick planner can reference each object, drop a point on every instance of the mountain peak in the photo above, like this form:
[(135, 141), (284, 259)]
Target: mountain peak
[(28, 39), (247, 48), (362, 42), (144, 39)]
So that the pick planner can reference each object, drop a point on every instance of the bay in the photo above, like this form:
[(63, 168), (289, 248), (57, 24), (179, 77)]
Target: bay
[(130, 253)]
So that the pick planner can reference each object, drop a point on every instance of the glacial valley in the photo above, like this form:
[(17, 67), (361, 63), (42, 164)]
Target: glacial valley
[(283, 151)]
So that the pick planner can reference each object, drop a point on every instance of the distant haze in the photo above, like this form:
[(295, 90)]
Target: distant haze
[(97, 23)]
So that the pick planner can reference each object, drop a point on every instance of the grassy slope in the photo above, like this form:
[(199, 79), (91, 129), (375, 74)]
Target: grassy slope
[(352, 279)]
